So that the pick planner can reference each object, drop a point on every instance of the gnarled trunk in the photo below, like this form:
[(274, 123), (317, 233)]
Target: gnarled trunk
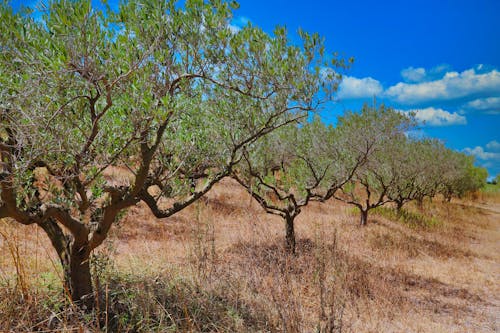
[(80, 278), (290, 234), (74, 258)]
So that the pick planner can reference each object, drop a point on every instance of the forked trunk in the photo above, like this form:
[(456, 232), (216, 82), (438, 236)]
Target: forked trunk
[(364, 216), (290, 234)]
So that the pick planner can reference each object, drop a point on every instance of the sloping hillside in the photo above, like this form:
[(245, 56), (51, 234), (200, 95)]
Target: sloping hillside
[(221, 266)]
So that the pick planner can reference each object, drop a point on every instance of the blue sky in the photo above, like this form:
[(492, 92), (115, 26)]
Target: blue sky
[(440, 59)]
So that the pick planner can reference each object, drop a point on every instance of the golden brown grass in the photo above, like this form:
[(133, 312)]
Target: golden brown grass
[(221, 266)]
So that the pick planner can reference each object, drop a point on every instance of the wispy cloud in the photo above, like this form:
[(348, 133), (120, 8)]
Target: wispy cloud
[(352, 87), (482, 154), (493, 146), (489, 104), (412, 74), (420, 74), (437, 117)]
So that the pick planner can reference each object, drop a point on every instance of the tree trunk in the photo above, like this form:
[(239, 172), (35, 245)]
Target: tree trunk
[(290, 234), (364, 216), (420, 204), (80, 278), (75, 263), (399, 206)]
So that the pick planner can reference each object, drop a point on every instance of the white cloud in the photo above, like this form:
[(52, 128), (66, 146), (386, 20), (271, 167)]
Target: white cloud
[(489, 104), (452, 86), (481, 154), (412, 74), (420, 74), (352, 87), (493, 145), (438, 117)]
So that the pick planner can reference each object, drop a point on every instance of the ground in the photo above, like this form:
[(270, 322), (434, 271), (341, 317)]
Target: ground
[(220, 266)]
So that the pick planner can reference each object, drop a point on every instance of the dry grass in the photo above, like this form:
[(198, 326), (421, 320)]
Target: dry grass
[(220, 266)]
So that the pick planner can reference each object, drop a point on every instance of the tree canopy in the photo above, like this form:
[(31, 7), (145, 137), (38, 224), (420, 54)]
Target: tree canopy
[(170, 93), (294, 165)]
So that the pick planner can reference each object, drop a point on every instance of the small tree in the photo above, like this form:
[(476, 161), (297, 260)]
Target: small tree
[(293, 166), (171, 93), (375, 134)]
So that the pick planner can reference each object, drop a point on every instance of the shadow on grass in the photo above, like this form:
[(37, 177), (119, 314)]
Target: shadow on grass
[(409, 218)]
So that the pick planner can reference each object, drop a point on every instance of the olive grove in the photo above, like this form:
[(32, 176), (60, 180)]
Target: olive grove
[(399, 168), (171, 94), (176, 99)]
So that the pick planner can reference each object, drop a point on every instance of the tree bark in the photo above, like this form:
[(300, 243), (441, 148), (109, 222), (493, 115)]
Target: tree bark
[(364, 216), (74, 260), (82, 292), (420, 204), (290, 234)]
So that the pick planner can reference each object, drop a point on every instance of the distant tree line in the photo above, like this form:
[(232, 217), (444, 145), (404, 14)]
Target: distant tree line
[(181, 100), (367, 160)]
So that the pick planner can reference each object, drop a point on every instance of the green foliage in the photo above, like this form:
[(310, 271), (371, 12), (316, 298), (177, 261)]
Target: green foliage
[(459, 175), (294, 165), (85, 88), (491, 188), (373, 141), (137, 105), (396, 167)]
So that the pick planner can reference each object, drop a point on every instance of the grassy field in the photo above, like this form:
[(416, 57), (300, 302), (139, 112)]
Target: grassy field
[(220, 266)]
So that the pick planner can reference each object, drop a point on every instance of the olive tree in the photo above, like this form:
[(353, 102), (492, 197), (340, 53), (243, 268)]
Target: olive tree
[(460, 176), (375, 134), (293, 166), (168, 92), (424, 168), (445, 171), (413, 163)]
